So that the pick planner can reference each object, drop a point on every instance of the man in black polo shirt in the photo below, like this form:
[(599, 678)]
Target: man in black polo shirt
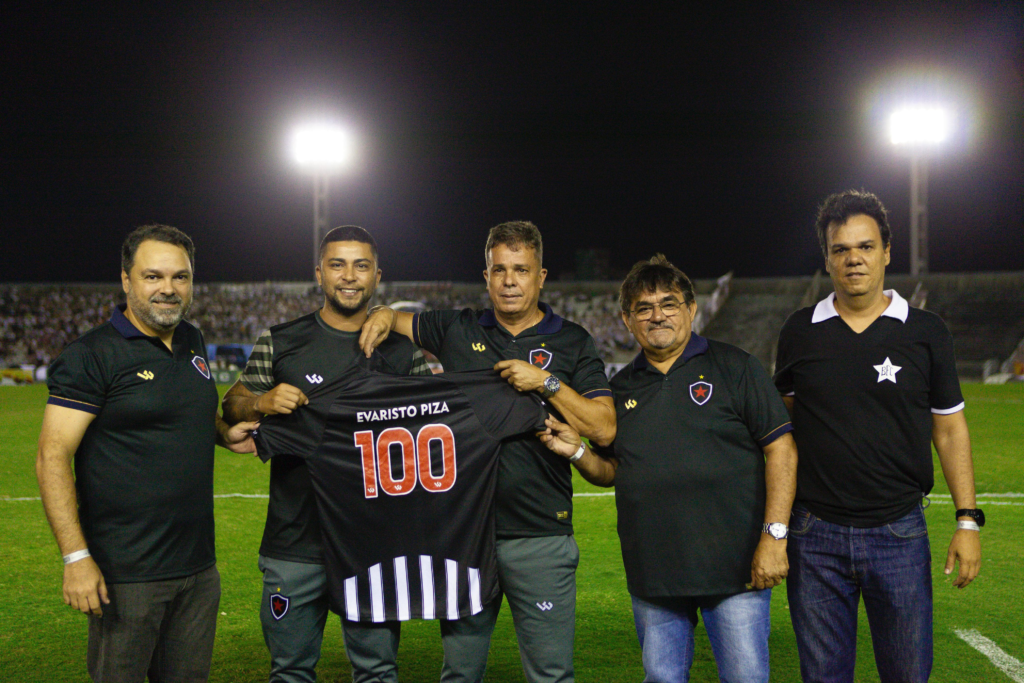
[(306, 353), (535, 350), (704, 470), (132, 401), (871, 383)]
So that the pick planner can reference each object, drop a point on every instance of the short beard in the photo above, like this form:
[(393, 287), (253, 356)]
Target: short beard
[(162, 321), (348, 311)]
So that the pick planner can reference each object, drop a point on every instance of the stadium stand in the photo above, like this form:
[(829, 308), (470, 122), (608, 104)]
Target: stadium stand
[(984, 311), (755, 313)]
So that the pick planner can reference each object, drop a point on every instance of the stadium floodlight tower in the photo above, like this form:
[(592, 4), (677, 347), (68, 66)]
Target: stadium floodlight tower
[(919, 129), (320, 149)]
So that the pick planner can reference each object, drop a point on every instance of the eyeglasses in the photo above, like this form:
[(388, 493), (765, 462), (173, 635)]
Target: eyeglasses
[(645, 311)]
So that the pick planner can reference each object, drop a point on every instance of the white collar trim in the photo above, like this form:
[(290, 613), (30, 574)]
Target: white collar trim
[(898, 308)]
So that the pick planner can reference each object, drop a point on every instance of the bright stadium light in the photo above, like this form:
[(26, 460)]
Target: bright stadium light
[(920, 129), (919, 126), (321, 146), (321, 149)]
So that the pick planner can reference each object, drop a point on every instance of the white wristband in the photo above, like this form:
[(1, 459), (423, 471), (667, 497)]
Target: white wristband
[(969, 525), (579, 453), (76, 556)]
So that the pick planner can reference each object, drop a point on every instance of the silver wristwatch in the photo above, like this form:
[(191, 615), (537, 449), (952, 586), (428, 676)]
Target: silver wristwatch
[(776, 530), (550, 387)]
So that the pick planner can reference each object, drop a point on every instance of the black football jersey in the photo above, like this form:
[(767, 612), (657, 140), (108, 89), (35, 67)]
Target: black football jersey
[(404, 471)]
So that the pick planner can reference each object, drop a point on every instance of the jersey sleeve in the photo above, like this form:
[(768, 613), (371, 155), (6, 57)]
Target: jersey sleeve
[(589, 379), (258, 376), (764, 412), (76, 380), (429, 328), (286, 435), (945, 395), (783, 360), (503, 411), (419, 364)]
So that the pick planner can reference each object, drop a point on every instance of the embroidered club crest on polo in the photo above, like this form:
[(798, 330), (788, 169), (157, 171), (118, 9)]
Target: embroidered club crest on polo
[(887, 371), (201, 366), (541, 358), (279, 606), (700, 392)]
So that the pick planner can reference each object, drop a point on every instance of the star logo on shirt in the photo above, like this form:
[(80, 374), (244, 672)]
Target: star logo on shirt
[(700, 392), (541, 358), (887, 371)]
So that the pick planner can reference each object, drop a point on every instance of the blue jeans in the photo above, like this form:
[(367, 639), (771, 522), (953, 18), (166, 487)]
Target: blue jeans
[(830, 566), (737, 625)]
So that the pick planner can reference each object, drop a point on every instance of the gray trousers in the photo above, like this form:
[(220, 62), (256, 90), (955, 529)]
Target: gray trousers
[(293, 613), (538, 576), (160, 629)]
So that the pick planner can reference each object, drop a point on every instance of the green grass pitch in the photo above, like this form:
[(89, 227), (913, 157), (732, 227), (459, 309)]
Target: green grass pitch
[(43, 640)]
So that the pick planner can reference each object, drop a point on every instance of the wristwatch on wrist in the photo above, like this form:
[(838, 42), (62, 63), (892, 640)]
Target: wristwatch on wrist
[(776, 530), (550, 387), (976, 514)]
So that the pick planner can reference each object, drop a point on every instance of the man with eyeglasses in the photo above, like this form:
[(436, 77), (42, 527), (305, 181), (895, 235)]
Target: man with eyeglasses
[(704, 469)]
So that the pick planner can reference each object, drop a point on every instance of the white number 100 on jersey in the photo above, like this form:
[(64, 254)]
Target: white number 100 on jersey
[(415, 459)]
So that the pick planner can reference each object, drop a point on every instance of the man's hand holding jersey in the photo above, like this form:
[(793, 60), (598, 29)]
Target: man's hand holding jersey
[(240, 404)]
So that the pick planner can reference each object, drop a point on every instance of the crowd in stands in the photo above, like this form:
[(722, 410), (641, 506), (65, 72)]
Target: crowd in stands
[(38, 321)]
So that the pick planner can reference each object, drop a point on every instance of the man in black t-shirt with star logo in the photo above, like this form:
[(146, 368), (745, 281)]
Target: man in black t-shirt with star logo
[(871, 384), (305, 353), (704, 469)]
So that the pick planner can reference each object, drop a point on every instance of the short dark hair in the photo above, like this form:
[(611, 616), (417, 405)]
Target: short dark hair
[(157, 233), (652, 275), (349, 233), (840, 207), (515, 235)]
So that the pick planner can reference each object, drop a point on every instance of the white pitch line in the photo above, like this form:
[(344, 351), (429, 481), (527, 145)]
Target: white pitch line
[(938, 499), (5, 499), (1011, 666), (980, 495)]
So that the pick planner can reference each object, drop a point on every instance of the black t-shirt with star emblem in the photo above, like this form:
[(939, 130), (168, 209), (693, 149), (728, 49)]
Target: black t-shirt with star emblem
[(308, 353), (690, 487), (144, 468), (534, 496), (862, 411)]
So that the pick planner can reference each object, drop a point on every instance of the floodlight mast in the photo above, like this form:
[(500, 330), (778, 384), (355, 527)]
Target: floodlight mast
[(919, 129), (320, 149)]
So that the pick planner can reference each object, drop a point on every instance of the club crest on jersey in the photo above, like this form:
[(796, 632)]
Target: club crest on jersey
[(279, 606), (887, 371), (700, 392), (201, 366), (541, 358)]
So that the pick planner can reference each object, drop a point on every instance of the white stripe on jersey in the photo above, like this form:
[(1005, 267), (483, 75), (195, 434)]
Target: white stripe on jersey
[(427, 585), (376, 593), (402, 588), (451, 568), (352, 598), (475, 607)]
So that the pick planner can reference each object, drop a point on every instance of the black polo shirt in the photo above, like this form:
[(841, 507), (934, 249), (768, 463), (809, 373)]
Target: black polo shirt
[(863, 406), (690, 487), (144, 469), (534, 485), (308, 353)]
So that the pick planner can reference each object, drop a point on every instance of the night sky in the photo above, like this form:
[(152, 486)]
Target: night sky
[(708, 136)]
